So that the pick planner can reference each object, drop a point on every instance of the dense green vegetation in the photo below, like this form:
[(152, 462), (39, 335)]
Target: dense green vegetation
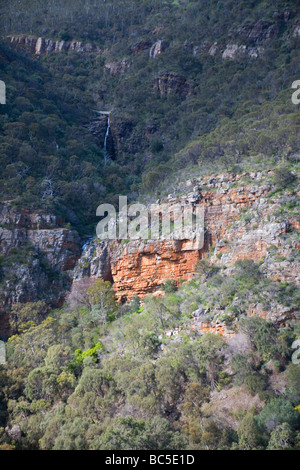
[(102, 376), (81, 380), (237, 109), (49, 159)]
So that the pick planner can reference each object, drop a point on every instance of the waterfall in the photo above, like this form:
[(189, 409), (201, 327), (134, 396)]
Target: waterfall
[(87, 243), (106, 156), (2, 353)]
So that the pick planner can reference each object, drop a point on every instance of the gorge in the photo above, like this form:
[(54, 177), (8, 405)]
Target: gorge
[(146, 340)]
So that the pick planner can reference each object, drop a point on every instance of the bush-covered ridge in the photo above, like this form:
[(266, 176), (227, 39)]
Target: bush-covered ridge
[(237, 108), (102, 377)]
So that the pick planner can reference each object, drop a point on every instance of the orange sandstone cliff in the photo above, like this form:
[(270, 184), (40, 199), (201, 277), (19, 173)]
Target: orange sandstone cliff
[(239, 224)]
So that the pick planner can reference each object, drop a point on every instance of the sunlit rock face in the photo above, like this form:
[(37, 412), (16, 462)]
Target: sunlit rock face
[(158, 48), (45, 46), (140, 267)]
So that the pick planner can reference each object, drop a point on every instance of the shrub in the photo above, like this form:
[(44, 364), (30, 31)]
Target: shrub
[(255, 384), (169, 286), (293, 382), (283, 177), (92, 352), (278, 411), (64, 36), (156, 146)]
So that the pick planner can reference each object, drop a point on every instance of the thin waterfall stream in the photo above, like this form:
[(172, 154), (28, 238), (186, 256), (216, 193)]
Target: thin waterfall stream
[(106, 154)]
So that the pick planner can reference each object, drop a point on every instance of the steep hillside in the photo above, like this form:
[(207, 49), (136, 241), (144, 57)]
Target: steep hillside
[(173, 73), (149, 344)]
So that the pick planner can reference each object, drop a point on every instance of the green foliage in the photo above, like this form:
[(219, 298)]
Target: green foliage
[(283, 177), (277, 412), (49, 161), (282, 438), (135, 303), (50, 388), (92, 352), (255, 384), (248, 432), (247, 272), (205, 268), (293, 382), (169, 286), (242, 368), (102, 298), (194, 397), (128, 433), (156, 145), (145, 379), (23, 316)]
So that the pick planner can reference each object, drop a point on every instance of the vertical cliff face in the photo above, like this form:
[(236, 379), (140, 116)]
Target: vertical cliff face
[(45, 46), (37, 254), (239, 224)]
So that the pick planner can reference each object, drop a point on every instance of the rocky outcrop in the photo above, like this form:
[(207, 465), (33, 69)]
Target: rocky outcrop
[(137, 267), (124, 136), (296, 32), (263, 30), (45, 46), (202, 323), (45, 232), (36, 249), (140, 46), (212, 50), (140, 267), (259, 32), (170, 83), (158, 48), (235, 51), (248, 40), (115, 68), (98, 128)]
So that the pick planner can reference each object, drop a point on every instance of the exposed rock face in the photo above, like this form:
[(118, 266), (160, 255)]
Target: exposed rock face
[(123, 137), (140, 267), (14, 432), (37, 248), (98, 128), (126, 136), (115, 68), (233, 50), (140, 46), (43, 231), (296, 32), (263, 30), (144, 266), (202, 323), (169, 83), (158, 48), (276, 314), (252, 36), (45, 46), (213, 49)]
